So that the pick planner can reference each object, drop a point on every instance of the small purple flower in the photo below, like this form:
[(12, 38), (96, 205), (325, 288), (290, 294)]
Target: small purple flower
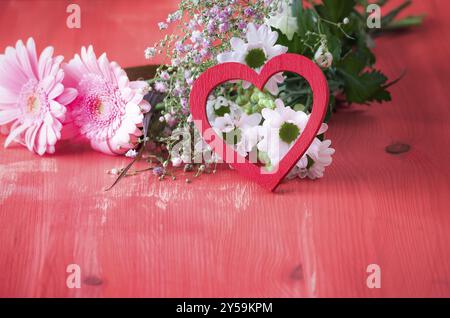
[(259, 16), (224, 27), (183, 102), (197, 37), (242, 25), (185, 111), (214, 11), (177, 92), (206, 43), (190, 81), (204, 53), (170, 120), (179, 47), (223, 16), (249, 11), (174, 17), (158, 171), (192, 24), (211, 27), (150, 52), (163, 25), (167, 117), (197, 59), (160, 87), (165, 76), (176, 62)]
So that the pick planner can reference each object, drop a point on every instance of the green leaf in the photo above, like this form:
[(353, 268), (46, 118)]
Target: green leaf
[(335, 47), (297, 8), (353, 63), (337, 10), (307, 22), (294, 45), (388, 18), (409, 21), (366, 87)]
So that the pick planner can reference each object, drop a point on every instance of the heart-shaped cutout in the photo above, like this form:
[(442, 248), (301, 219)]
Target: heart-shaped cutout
[(222, 73)]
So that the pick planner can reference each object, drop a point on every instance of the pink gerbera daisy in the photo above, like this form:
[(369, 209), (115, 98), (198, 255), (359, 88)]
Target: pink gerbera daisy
[(32, 98), (109, 108)]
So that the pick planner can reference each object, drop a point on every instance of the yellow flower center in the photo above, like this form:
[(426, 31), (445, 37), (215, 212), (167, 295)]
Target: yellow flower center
[(33, 104)]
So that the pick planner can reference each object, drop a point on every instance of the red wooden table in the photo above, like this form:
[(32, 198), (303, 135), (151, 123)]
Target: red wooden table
[(222, 235)]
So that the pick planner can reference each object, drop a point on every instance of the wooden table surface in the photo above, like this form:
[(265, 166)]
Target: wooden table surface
[(223, 236)]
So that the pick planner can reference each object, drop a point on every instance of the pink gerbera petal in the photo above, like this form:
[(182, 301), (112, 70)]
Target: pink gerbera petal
[(67, 96), (32, 98), (109, 108)]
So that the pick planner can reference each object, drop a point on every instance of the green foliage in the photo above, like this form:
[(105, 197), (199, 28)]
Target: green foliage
[(252, 100), (352, 76), (360, 85), (336, 11)]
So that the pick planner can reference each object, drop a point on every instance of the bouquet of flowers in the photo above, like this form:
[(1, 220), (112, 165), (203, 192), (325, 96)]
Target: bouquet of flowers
[(43, 100)]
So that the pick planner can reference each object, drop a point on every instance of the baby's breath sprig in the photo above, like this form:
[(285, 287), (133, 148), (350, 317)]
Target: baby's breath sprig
[(200, 31)]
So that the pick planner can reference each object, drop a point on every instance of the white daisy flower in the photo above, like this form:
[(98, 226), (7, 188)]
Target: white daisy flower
[(218, 107), (249, 139), (318, 157), (242, 126), (281, 129), (236, 120), (259, 48), (204, 152), (235, 124), (224, 124)]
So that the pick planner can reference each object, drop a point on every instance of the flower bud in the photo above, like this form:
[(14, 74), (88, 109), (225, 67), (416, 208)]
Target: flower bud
[(323, 57)]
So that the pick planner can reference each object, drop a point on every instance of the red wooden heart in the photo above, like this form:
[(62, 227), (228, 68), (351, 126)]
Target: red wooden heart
[(225, 72)]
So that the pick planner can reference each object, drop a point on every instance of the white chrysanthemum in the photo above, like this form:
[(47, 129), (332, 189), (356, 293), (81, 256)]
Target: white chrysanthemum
[(318, 157), (249, 139), (219, 106), (242, 121), (240, 125), (260, 47), (281, 129), (282, 126)]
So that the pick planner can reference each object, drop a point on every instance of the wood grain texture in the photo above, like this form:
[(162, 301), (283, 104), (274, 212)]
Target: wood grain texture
[(224, 236), (223, 73)]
